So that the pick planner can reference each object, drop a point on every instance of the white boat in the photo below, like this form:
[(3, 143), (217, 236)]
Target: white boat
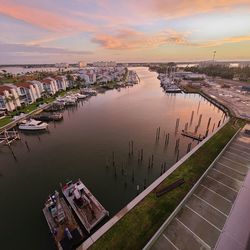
[(80, 96), (33, 125)]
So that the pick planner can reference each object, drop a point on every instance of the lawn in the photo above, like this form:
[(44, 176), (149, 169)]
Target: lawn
[(135, 229), (4, 121)]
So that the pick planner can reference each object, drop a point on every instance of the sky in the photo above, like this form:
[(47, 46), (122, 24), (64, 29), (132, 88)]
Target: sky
[(50, 31)]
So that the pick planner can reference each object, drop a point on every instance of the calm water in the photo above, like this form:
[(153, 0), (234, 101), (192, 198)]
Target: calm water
[(82, 144)]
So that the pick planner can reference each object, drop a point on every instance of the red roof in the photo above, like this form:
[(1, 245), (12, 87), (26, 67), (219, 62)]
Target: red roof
[(24, 84), (59, 78), (47, 81), (3, 88)]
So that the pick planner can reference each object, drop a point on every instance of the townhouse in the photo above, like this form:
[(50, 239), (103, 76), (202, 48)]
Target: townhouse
[(50, 86), (62, 82), (9, 98), (28, 92)]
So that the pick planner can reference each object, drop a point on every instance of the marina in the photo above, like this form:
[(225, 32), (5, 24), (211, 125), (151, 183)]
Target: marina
[(91, 143)]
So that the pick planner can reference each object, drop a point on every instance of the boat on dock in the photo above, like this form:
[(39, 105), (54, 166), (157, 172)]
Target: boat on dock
[(87, 208), (33, 125), (192, 135), (54, 107), (88, 92), (50, 117), (62, 224)]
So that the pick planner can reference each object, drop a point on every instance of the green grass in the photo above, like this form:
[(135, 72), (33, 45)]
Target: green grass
[(135, 229), (4, 121)]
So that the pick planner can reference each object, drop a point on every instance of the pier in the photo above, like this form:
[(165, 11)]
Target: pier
[(192, 135), (9, 136)]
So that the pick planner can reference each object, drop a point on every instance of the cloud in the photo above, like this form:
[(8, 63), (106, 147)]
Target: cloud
[(131, 39), (169, 9), (46, 19), (7, 48), (235, 39)]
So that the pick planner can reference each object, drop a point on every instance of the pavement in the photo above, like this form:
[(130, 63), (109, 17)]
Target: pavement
[(233, 98), (213, 216)]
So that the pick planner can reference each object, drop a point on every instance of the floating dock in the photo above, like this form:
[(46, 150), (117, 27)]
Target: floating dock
[(62, 224), (87, 208), (192, 135)]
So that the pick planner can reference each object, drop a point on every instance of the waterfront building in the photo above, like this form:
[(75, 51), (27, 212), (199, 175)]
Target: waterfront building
[(50, 85), (27, 92), (38, 86), (62, 82), (9, 98)]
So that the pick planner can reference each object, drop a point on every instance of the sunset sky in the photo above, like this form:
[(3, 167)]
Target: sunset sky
[(49, 31)]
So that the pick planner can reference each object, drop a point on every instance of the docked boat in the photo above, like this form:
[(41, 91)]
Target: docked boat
[(87, 208), (88, 92), (56, 106), (62, 224), (80, 96), (51, 117), (33, 125)]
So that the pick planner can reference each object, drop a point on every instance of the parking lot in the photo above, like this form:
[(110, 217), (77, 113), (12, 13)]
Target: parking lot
[(200, 222)]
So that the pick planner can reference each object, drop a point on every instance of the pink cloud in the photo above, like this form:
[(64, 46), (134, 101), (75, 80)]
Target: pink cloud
[(42, 18), (131, 39), (181, 8)]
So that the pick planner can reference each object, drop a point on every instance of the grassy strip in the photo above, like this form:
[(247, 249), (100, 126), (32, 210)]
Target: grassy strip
[(4, 121), (135, 229)]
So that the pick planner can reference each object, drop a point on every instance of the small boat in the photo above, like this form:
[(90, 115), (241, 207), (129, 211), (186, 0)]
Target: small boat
[(33, 125), (87, 208), (62, 224)]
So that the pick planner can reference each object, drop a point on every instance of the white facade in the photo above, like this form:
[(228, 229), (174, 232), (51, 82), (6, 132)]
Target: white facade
[(62, 82), (28, 92), (9, 98), (50, 86)]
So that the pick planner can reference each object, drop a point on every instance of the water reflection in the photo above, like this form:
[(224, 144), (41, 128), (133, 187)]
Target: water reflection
[(92, 143)]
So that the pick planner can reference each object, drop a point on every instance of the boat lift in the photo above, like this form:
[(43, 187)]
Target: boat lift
[(8, 136)]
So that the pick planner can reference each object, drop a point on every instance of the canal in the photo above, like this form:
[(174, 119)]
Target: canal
[(81, 146)]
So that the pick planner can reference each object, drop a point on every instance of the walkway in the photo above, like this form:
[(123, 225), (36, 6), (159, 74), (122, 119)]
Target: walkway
[(201, 220)]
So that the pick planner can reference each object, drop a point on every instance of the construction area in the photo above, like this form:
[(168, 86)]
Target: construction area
[(206, 219)]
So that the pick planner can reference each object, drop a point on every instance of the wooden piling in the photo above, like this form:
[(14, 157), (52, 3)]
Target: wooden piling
[(198, 107), (177, 124), (189, 147), (208, 124), (213, 128), (199, 122), (219, 123), (177, 158), (191, 119)]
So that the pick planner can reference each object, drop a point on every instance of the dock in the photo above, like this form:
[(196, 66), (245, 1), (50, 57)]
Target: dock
[(9, 136), (87, 208), (193, 135)]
